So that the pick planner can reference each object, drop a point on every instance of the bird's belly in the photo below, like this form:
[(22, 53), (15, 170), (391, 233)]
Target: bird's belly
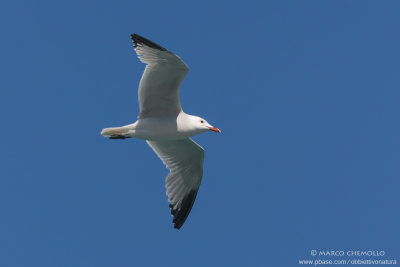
[(158, 129)]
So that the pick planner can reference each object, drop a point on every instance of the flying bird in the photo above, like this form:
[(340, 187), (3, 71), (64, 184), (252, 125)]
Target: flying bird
[(165, 127)]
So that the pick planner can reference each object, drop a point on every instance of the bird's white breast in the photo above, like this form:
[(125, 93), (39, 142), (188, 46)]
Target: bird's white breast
[(157, 128)]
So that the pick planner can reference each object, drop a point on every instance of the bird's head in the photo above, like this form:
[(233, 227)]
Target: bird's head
[(202, 125)]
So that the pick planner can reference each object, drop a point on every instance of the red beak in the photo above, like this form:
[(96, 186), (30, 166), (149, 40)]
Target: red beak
[(215, 129)]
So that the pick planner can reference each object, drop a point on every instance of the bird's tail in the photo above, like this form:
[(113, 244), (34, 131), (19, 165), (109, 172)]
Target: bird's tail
[(117, 132)]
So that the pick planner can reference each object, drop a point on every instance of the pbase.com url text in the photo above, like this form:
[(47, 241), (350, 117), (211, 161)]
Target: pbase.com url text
[(316, 262)]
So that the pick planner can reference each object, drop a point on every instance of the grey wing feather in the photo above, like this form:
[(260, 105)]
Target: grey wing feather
[(162, 77), (184, 158)]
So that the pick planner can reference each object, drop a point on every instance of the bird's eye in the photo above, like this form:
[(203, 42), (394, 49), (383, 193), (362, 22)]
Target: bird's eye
[(202, 121)]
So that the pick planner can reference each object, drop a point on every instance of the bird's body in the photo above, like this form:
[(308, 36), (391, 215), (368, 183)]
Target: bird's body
[(165, 127), (160, 128)]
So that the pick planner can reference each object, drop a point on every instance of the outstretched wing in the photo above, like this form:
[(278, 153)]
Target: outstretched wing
[(159, 86), (184, 158)]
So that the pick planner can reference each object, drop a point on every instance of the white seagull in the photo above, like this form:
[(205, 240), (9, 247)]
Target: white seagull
[(165, 127)]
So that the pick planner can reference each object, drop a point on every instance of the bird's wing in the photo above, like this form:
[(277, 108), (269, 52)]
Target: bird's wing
[(159, 86), (184, 158)]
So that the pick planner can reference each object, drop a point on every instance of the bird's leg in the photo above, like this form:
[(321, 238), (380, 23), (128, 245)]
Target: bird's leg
[(118, 136)]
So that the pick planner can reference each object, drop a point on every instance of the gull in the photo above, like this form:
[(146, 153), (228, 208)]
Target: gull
[(165, 127)]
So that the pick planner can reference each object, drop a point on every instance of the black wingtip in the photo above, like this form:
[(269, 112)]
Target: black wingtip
[(181, 213), (137, 39)]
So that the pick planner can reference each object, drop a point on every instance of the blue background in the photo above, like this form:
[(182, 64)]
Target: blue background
[(306, 94)]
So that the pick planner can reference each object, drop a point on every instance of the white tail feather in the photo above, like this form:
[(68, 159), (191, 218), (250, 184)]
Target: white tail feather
[(117, 131)]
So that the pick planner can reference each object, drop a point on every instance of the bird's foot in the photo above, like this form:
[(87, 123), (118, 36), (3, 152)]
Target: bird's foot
[(118, 136)]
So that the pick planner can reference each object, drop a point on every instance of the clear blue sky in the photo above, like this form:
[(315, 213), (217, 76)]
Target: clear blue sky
[(306, 94)]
